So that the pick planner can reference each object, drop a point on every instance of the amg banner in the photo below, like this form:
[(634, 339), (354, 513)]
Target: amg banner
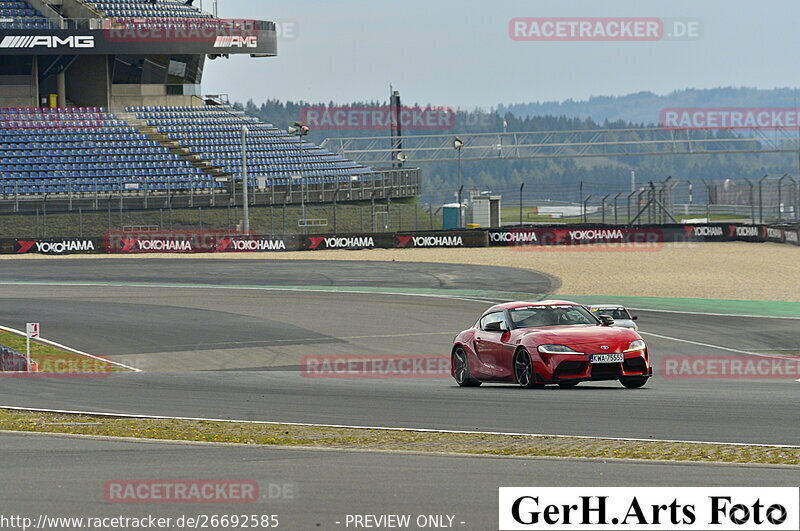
[(184, 242), (56, 246), (142, 36)]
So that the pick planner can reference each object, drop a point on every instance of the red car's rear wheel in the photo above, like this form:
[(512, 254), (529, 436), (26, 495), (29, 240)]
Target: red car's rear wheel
[(461, 369)]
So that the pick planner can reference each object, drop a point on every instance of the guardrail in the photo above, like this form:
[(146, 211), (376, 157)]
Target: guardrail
[(209, 241)]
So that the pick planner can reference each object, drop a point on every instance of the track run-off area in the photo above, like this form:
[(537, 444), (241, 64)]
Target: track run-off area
[(225, 339)]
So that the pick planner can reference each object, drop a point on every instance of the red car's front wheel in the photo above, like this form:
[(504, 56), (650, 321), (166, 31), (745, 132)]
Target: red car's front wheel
[(523, 370), (633, 382)]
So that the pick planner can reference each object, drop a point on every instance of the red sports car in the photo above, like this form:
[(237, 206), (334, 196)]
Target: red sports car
[(548, 342)]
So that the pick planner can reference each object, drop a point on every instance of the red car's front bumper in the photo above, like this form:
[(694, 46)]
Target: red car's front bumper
[(560, 368)]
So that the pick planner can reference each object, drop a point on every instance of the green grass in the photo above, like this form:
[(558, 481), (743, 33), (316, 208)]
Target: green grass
[(391, 440), (55, 361)]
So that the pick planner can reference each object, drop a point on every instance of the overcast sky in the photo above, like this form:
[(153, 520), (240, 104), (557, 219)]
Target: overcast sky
[(459, 53)]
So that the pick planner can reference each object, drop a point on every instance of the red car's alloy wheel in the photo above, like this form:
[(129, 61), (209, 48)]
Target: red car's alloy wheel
[(461, 369), (523, 370)]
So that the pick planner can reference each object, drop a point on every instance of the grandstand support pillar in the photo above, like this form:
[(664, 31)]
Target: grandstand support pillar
[(245, 185), (389, 209), (70, 196), (373, 210), (191, 194), (61, 80), (460, 207), (335, 195)]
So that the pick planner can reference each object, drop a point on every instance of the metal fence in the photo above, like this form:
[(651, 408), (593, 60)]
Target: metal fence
[(380, 184), (765, 199), (377, 215)]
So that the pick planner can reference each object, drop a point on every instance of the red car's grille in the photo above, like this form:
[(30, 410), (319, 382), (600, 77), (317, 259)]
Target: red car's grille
[(607, 370), (570, 368)]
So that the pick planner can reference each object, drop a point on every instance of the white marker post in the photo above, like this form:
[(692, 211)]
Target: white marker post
[(32, 330)]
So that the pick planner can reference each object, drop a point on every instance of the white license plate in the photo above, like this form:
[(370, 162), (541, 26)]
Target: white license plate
[(608, 358)]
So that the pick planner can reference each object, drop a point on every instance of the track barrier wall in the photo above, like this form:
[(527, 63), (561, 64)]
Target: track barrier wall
[(188, 242), (11, 360)]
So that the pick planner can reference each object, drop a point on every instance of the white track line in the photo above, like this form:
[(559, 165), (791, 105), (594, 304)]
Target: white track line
[(247, 288), (419, 430), (716, 314), (70, 349), (719, 347)]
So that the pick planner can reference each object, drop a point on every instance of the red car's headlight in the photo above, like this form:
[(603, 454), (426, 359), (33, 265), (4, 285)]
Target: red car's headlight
[(636, 346), (557, 349)]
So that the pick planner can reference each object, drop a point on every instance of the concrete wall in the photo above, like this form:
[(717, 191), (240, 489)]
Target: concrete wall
[(148, 95), (88, 81), (18, 91)]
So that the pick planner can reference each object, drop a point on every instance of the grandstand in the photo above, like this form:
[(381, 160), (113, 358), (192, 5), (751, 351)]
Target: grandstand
[(86, 150), (97, 102), (147, 9), (18, 14)]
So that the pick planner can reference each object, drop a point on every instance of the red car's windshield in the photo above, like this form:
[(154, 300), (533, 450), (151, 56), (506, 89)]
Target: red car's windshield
[(535, 316)]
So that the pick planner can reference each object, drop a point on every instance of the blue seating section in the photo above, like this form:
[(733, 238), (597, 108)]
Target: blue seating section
[(18, 14), (85, 151), (146, 9), (215, 133)]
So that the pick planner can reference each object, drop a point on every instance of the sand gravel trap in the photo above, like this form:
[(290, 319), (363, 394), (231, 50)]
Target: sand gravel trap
[(735, 270)]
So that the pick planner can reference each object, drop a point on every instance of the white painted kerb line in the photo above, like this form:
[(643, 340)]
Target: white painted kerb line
[(74, 351)]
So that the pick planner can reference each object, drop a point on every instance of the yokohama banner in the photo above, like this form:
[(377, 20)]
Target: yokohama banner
[(57, 247), (575, 236), (782, 235), (461, 238), (381, 240), (747, 233), (182, 242)]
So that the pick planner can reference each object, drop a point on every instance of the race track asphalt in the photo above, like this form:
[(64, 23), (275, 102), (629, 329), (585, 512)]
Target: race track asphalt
[(223, 348), (311, 489)]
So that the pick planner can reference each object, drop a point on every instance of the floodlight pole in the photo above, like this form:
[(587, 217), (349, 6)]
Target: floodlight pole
[(245, 187)]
